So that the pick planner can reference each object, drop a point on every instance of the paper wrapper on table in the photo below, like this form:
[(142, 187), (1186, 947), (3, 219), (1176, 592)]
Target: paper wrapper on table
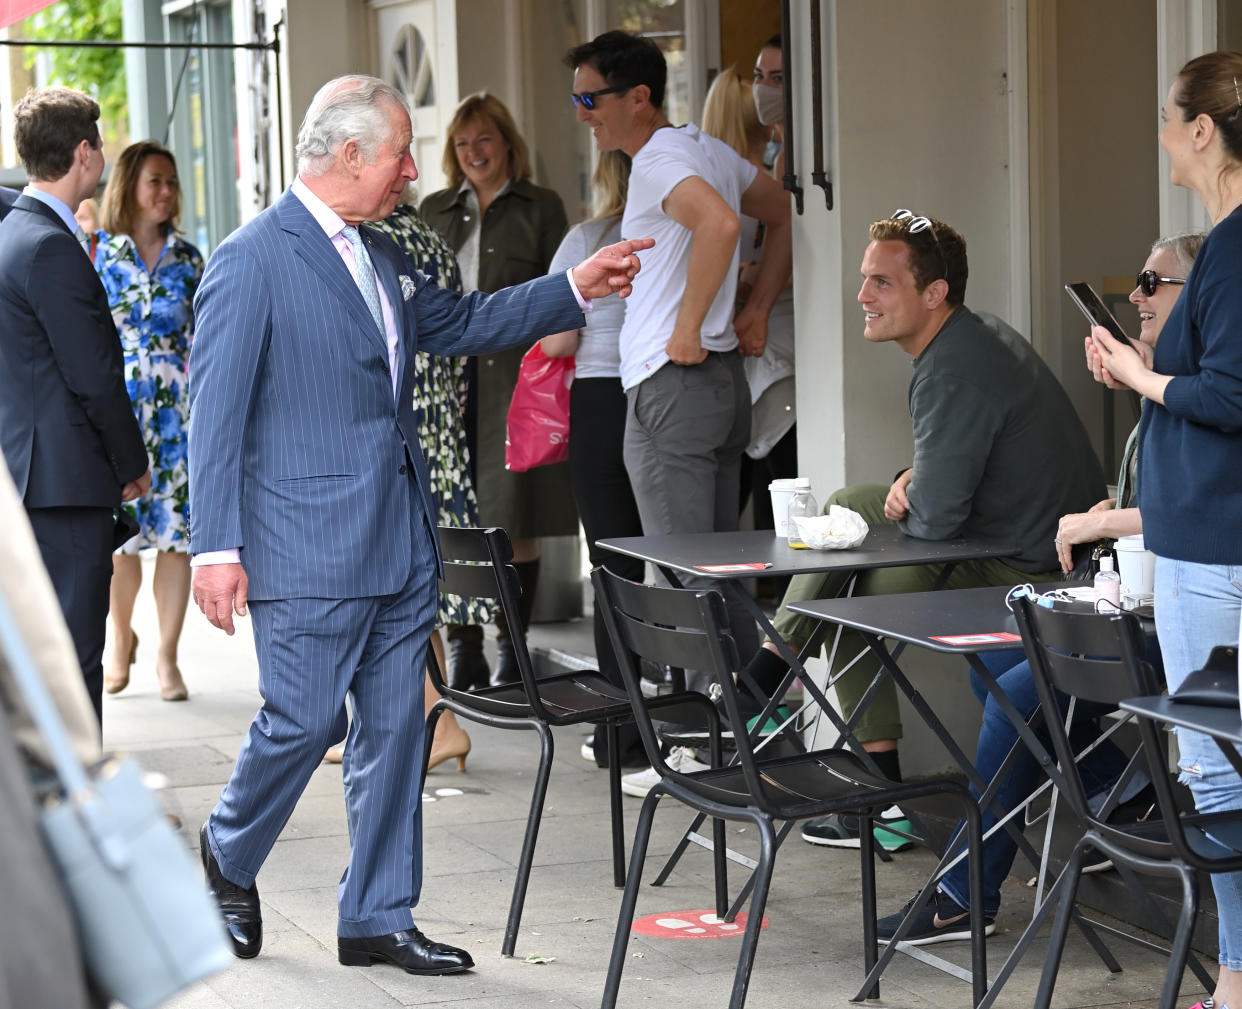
[(841, 529)]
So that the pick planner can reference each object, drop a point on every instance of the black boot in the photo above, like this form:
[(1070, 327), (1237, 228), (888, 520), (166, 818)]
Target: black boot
[(467, 668), (506, 670)]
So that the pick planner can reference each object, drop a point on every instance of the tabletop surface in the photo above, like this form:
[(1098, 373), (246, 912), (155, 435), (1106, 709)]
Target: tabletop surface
[(951, 620), (1225, 723), (736, 552)]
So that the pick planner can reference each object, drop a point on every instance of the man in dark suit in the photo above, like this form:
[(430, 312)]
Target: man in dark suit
[(7, 198), (66, 424), (309, 504)]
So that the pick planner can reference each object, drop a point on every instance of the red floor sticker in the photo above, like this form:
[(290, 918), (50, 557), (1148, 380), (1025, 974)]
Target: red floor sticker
[(691, 925)]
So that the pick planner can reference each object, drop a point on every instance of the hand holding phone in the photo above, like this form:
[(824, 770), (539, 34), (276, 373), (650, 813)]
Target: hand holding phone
[(1097, 313)]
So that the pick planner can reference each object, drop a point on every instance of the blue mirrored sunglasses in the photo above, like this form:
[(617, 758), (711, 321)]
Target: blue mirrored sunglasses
[(587, 98)]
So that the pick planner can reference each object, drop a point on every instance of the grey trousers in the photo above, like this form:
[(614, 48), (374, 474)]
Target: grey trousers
[(686, 428)]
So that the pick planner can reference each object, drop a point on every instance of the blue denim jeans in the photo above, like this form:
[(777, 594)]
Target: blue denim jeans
[(1099, 769), (1199, 606)]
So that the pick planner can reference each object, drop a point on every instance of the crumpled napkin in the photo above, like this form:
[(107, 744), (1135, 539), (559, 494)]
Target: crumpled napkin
[(841, 529)]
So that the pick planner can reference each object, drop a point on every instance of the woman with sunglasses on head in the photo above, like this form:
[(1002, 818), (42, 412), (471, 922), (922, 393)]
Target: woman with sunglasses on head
[(1190, 440), (504, 230), (943, 918)]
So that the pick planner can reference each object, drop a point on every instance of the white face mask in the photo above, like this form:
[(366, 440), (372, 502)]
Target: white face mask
[(769, 104)]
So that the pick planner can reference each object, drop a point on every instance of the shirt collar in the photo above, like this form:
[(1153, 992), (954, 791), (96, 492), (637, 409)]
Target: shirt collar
[(57, 204), (324, 216)]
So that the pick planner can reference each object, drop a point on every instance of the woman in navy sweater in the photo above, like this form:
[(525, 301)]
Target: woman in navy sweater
[(1190, 442)]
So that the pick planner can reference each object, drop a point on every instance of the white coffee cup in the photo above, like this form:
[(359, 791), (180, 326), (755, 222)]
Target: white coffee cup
[(1137, 566), (781, 491)]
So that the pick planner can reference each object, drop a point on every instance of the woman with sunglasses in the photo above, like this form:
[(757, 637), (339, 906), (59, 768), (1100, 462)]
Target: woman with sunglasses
[(504, 230), (943, 917), (1189, 444)]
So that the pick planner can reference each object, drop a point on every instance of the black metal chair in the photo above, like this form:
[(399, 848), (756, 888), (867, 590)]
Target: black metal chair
[(477, 564), (1098, 658), (686, 628)]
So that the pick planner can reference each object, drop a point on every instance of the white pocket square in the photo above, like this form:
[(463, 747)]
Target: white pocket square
[(408, 288)]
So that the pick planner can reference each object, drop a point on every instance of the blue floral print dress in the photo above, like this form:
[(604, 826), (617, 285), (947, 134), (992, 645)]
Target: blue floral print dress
[(153, 313)]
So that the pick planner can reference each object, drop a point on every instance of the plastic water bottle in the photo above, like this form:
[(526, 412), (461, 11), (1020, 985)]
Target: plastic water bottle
[(801, 505), (1107, 584)]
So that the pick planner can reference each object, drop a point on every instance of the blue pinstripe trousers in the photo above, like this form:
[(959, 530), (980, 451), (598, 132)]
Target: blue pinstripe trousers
[(312, 653)]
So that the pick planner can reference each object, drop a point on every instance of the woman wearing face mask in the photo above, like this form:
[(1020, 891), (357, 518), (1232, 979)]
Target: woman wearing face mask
[(1190, 452), (769, 98), (504, 230)]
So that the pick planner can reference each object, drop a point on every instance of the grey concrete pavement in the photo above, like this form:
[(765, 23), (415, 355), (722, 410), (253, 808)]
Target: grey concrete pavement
[(809, 955)]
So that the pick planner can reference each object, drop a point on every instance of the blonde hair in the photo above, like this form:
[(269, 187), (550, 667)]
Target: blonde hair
[(489, 108), (611, 183), (729, 111)]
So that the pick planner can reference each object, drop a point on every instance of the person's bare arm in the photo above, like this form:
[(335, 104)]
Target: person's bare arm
[(560, 344), (697, 207), (766, 201)]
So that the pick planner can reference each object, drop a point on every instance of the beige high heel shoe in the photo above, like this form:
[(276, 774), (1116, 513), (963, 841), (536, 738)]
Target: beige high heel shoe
[(115, 684), (172, 686), (445, 746)]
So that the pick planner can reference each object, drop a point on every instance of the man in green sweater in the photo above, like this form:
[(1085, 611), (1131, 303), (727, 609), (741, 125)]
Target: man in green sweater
[(999, 454)]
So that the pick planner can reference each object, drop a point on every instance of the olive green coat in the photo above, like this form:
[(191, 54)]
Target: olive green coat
[(521, 231)]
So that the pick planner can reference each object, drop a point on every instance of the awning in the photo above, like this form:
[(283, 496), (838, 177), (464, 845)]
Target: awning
[(12, 11)]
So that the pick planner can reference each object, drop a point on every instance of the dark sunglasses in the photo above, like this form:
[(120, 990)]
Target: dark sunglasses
[(587, 98), (1149, 280)]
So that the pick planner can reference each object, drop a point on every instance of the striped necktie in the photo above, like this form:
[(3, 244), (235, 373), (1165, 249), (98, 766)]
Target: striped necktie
[(366, 275)]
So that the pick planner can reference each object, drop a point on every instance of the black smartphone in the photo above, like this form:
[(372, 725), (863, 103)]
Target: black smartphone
[(1097, 313)]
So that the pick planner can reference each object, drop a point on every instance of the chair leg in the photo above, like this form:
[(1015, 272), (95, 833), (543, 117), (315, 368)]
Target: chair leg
[(1180, 948), (614, 798), (866, 845), (978, 940), (429, 733), (1060, 927), (754, 921), (532, 835), (629, 899)]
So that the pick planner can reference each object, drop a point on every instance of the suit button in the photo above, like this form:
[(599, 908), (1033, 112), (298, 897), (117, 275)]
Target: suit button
[(402, 471)]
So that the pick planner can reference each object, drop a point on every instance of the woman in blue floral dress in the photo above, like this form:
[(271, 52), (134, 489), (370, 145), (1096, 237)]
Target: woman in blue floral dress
[(150, 275)]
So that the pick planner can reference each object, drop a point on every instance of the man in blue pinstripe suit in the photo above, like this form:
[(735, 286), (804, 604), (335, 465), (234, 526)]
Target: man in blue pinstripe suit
[(309, 504)]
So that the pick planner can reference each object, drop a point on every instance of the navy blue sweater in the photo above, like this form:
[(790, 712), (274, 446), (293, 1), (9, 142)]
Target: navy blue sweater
[(1191, 448)]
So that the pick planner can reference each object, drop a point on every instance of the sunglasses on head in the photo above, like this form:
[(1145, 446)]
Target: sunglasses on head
[(587, 98), (915, 224), (1149, 280)]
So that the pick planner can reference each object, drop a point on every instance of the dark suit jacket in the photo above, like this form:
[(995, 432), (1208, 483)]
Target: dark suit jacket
[(66, 424), (7, 198)]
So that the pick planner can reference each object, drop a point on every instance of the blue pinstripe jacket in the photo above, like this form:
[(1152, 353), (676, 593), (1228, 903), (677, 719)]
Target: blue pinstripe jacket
[(298, 453)]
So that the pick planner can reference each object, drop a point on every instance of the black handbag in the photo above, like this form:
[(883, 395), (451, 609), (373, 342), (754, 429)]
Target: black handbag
[(1086, 557), (1215, 684)]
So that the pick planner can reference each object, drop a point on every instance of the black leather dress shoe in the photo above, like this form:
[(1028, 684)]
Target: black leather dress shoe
[(410, 950), (238, 907)]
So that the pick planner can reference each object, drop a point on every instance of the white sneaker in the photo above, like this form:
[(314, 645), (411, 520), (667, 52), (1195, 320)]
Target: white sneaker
[(587, 750), (680, 758)]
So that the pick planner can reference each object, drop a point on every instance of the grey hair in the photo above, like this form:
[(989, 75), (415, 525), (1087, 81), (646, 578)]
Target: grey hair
[(346, 108), (1185, 247)]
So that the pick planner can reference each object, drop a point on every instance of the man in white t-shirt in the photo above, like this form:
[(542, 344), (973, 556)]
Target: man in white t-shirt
[(688, 419)]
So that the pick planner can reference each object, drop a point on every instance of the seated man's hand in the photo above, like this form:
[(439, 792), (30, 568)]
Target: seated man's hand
[(897, 504)]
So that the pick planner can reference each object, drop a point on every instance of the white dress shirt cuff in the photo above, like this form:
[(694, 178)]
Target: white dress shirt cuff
[(583, 303), (216, 557)]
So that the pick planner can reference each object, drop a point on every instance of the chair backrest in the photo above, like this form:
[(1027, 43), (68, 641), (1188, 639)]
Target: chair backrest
[(685, 628), (478, 565), (1091, 657)]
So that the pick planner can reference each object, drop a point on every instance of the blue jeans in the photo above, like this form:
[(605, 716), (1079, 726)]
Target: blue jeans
[(1199, 606), (1099, 769)]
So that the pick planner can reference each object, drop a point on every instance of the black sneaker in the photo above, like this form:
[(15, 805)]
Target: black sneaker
[(840, 830), (938, 920)]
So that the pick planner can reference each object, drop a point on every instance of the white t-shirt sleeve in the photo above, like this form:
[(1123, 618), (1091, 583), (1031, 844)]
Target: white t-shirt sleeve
[(665, 165)]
